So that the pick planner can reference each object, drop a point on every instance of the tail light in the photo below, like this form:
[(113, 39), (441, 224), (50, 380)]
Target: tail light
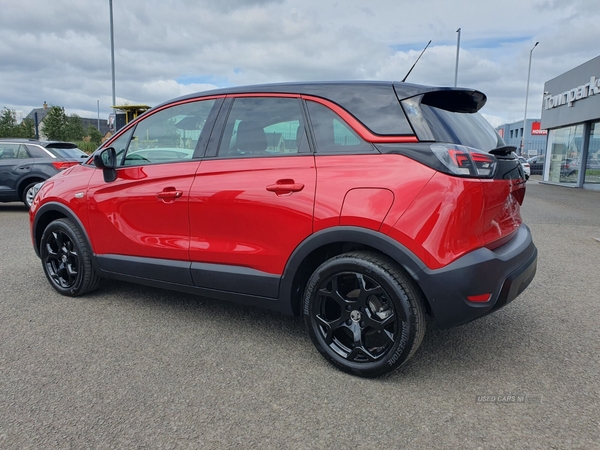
[(465, 161), (62, 165)]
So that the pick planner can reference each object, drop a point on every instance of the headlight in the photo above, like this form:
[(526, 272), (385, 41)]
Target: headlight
[(37, 187)]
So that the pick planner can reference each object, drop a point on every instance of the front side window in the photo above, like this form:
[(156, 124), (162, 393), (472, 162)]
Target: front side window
[(264, 126), (120, 145), (333, 134), (169, 135)]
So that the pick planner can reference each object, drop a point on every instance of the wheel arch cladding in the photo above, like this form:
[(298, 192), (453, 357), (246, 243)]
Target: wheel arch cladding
[(331, 242), (47, 214)]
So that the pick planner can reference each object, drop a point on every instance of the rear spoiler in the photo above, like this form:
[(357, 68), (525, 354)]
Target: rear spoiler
[(459, 100), (455, 101), (60, 145)]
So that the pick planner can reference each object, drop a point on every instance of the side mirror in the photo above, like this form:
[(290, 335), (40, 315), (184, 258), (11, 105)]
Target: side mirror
[(107, 161)]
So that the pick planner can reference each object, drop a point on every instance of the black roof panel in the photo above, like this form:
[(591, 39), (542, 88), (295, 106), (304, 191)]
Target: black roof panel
[(374, 103)]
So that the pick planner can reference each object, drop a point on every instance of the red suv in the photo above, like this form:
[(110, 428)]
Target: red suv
[(362, 206)]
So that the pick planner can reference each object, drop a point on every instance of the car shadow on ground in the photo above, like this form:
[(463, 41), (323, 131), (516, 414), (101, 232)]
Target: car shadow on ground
[(220, 310), (494, 340), (486, 341), (18, 207)]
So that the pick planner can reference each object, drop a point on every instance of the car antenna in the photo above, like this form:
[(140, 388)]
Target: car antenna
[(413, 66)]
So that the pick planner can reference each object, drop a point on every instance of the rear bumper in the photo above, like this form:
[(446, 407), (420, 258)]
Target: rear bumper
[(503, 272)]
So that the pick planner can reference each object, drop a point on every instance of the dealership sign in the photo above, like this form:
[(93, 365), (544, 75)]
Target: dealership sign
[(568, 97), (536, 129)]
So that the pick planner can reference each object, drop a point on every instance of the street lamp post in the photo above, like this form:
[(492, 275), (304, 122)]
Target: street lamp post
[(526, 98), (112, 52), (457, 53)]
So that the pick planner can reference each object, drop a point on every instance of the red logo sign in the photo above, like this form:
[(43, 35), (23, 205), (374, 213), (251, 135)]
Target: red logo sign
[(536, 131), (501, 132)]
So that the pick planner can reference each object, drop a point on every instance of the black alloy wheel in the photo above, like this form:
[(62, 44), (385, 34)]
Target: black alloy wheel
[(364, 314), (66, 259)]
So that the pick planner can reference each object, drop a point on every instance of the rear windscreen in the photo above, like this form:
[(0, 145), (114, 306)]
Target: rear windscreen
[(68, 152), (461, 128), (451, 116)]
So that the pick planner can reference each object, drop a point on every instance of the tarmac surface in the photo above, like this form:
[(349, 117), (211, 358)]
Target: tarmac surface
[(136, 367)]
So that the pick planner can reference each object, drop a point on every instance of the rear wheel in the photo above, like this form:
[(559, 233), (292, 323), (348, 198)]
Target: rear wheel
[(364, 314), (66, 258)]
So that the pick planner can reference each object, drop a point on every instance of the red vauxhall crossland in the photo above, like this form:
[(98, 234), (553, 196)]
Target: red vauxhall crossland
[(362, 206)]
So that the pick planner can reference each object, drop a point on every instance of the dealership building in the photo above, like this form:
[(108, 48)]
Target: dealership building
[(534, 142), (571, 116)]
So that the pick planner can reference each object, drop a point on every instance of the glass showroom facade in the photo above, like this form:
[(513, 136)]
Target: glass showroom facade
[(571, 114)]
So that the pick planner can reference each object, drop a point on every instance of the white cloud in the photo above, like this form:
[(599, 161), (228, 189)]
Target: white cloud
[(59, 51)]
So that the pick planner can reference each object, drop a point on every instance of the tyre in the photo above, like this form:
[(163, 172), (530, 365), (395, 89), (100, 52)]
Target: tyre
[(27, 196), (363, 313), (66, 258)]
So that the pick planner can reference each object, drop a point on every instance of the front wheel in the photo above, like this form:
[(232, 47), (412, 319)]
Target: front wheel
[(28, 195), (66, 258), (363, 313)]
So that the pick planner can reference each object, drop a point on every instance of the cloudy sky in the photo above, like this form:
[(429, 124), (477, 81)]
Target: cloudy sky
[(59, 51)]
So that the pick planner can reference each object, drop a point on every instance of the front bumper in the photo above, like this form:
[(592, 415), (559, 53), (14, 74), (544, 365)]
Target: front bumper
[(503, 272)]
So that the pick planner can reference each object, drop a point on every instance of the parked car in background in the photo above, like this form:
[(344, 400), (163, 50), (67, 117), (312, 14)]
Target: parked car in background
[(66, 150), (536, 164), (569, 167), (362, 206), (526, 167), (26, 162)]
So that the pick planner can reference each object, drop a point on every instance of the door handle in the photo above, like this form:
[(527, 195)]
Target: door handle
[(282, 187), (169, 194)]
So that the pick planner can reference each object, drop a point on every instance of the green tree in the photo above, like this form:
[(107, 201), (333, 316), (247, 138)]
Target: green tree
[(26, 129), (74, 128), (9, 127), (54, 125), (57, 126), (8, 123), (94, 134)]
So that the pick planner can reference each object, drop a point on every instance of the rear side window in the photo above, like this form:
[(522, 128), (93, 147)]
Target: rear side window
[(264, 126), (373, 104), (22, 152), (333, 134), (38, 152)]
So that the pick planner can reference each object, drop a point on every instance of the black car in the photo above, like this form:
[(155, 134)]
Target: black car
[(26, 162), (537, 164), (569, 167)]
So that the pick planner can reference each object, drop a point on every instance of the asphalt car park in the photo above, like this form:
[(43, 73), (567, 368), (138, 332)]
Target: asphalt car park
[(132, 366)]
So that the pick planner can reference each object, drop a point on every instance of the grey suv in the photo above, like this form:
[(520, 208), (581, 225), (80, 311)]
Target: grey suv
[(26, 162)]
